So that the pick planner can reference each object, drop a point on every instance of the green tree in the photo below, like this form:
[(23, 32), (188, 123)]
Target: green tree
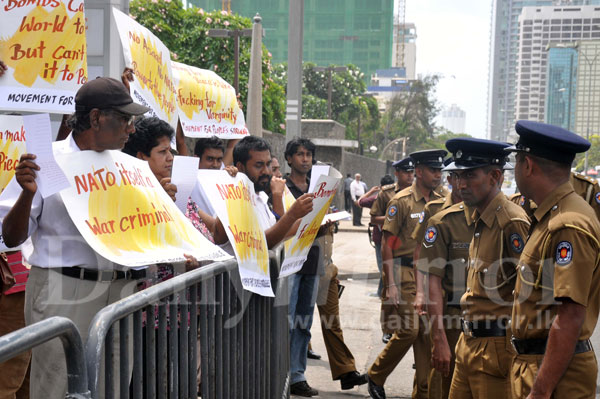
[(185, 33), (411, 114), (593, 155)]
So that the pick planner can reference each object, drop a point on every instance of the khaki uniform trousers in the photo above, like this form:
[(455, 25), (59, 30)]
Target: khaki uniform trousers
[(340, 358), (439, 386), (14, 378), (49, 293), (481, 368), (578, 382), (406, 328)]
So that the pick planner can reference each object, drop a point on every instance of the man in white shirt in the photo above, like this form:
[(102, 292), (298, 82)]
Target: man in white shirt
[(357, 189), (68, 278)]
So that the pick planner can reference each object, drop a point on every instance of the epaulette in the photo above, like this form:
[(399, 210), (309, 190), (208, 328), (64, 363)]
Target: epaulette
[(388, 187), (585, 178), (403, 193), (504, 216)]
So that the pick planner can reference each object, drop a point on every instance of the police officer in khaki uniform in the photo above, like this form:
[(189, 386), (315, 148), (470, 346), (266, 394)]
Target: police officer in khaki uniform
[(483, 353), (443, 255), (405, 172), (403, 213), (587, 187), (341, 360), (557, 293)]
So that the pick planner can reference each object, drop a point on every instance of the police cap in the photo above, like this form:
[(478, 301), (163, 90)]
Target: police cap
[(406, 164), (548, 141), (470, 153), (432, 158)]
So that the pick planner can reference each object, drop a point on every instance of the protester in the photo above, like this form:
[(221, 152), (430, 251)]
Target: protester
[(103, 120), (276, 168)]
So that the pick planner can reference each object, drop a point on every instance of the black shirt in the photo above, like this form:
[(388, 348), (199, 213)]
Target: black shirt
[(312, 259)]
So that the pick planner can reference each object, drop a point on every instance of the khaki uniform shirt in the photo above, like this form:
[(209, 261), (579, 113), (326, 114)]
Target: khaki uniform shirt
[(499, 233), (588, 189), (403, 213), (560, 260), (385, 195), (430, 209), (445, 248), (585, 186)]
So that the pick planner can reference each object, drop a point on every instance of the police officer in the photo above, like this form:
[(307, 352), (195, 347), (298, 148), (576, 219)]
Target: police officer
[(483, 354), (405, 172), (557, 292), (443, 255), (587, 187), (403, 213)]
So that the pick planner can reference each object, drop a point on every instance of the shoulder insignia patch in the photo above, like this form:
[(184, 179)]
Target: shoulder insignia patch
[(564, 253), (431, 235), (516, 242), (597, 197), (392, 211)]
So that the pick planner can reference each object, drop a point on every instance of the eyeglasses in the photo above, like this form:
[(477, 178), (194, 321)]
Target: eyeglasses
[(124, 118)]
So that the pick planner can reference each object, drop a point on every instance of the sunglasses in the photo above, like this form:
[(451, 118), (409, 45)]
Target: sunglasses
[(128, 120)]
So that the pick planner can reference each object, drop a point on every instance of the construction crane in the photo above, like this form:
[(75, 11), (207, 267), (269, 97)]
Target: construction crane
[(226, 6), (400, 21)]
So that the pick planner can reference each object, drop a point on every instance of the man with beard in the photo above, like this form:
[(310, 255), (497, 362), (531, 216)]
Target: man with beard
[(482, 353), (556, 296), (252, 156), (402, 215)]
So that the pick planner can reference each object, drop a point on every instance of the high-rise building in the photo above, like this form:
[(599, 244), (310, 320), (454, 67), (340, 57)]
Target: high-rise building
[(561, 85), (453, 118), (504, 42), (336, 32), (405, 33), (540, 26), (587, 116)]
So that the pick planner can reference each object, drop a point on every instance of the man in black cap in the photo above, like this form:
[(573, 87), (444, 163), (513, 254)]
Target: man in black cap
[(404, 170), (556, 298), (500, 227), (67, 278), (402, 214)]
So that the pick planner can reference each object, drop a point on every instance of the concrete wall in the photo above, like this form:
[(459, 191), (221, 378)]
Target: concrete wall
[(323, 129), (371, 170)]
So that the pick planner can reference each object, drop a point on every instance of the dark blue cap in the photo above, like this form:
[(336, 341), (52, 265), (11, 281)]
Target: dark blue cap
[(406, 164), (548, 141), (472, 153), (432, 158)]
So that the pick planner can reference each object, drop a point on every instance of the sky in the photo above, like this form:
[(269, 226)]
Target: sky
[(453, 41)]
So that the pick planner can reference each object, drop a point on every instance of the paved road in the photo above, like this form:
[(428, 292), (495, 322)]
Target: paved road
[(359, 312)]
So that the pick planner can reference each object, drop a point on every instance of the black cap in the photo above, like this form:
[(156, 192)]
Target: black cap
[(107, 93), (470, 153), (432, 158), (548, 141), (406, 164)]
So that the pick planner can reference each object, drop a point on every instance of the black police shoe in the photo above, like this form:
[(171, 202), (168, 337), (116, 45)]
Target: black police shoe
[(302, 388), (386, 338), (375, 390), (352, 379), (312, 355)]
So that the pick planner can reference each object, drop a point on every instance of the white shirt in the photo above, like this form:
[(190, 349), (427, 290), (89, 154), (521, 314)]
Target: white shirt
[(265, 216), (55, 240), (356, 189)]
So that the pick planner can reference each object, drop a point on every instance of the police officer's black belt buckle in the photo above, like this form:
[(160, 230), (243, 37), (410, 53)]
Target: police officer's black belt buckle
[(483, 328), (537, 346)]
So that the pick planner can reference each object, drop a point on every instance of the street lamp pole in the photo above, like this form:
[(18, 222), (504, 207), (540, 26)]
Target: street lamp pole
[(590, 65), (235, 34)]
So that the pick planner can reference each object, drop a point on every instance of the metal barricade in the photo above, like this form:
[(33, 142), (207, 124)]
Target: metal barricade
[(36, 334), (244, 339)]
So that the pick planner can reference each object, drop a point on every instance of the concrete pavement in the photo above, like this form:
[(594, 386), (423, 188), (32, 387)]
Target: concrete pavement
[(359, 312)]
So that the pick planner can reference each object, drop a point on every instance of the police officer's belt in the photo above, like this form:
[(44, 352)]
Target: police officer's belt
[(483, 328), (101, 275), (537, 346), (403, 261)]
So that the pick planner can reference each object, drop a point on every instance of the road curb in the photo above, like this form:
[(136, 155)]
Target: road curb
[(358, 276)]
